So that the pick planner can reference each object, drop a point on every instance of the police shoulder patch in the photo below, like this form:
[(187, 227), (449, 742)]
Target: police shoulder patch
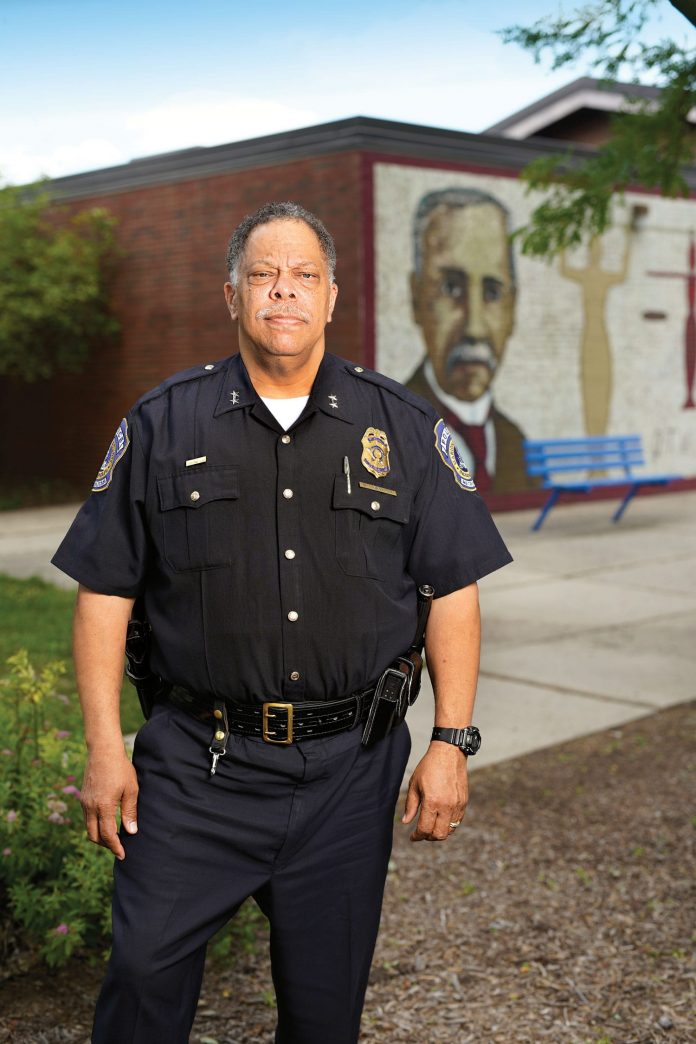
[(119, 445), (444, 444)]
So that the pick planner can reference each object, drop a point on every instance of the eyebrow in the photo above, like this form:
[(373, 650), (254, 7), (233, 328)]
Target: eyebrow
[(271, 264)]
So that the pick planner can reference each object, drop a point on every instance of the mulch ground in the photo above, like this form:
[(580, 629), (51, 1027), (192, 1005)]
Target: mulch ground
[(562, 911)]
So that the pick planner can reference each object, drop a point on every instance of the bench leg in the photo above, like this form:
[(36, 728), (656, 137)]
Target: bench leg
[(624, 503), (555, 493)]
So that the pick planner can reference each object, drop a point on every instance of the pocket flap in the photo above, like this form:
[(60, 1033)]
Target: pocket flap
[(377, 502), (198, 486)]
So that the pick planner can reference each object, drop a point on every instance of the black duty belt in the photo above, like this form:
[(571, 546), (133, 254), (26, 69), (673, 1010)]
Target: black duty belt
[(276, 722)]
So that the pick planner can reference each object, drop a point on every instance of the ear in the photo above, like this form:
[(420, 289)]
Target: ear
[(231, 299), (333, 294)]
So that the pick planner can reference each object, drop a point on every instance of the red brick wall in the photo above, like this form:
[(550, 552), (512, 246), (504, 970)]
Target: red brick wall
[(168, 298)]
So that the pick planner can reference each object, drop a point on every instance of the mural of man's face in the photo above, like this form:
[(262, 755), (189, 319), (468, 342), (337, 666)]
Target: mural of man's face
[(464, 297)]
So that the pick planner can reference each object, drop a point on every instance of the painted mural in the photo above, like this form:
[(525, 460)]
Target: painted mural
[(600, 341)]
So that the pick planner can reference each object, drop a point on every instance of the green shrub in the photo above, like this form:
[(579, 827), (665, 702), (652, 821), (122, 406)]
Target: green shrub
[(54, 884)]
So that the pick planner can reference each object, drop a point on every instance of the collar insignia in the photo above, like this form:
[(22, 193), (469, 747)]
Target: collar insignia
[(333, 402), (375, 454)]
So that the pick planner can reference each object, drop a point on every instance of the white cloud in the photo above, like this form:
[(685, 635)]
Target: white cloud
[(210, 118)]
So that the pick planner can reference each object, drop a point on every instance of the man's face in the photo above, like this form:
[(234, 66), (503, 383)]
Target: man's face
[(283, 298), (464, 298)]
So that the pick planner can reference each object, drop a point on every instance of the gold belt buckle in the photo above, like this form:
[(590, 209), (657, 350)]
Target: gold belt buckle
[(266, 732)]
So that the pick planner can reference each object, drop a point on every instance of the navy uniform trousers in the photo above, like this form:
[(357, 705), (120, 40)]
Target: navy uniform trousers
[(306, 829)]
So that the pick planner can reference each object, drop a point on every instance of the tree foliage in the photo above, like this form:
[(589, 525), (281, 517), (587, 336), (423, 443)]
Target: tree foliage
[(651, 142), (54, 276)]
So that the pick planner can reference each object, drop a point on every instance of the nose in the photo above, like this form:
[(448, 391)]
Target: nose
[(476, 312), (282, 289)]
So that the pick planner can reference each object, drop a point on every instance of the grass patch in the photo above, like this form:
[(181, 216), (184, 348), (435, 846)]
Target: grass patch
[(37, 616)]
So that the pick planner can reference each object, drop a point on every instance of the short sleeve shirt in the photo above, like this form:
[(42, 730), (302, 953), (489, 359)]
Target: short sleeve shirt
[(272, 564)]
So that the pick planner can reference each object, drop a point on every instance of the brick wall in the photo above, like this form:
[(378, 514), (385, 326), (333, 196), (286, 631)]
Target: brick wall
[(168, 298)]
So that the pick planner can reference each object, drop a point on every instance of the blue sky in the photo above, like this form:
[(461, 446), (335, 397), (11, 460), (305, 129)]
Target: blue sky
[(90, 83)]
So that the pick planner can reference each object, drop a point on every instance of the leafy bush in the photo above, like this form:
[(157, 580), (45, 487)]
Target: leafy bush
[(54, 884)]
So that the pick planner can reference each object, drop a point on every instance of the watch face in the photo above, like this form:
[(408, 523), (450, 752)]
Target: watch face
[(473, 741)]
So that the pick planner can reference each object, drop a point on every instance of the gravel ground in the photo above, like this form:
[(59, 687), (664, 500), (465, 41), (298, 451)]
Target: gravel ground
[(562, 911)]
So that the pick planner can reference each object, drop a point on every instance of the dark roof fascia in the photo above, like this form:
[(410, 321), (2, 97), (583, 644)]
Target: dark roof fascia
[(359, 133), (583, 83)]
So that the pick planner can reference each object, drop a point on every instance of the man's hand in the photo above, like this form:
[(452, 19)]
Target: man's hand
[(110, 781), (439, 785)]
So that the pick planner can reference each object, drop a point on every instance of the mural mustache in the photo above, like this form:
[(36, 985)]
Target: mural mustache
[(471, 351)]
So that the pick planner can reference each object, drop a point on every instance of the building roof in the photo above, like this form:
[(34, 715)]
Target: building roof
[(584, 93)]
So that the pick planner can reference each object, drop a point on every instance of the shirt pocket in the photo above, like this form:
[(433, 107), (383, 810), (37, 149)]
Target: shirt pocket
[(370, 527), (200, 516)]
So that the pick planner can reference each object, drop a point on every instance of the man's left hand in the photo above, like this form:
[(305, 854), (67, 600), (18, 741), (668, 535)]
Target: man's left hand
[(439, 786)]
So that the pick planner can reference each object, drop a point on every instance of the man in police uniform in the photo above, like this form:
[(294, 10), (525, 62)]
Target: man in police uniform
[(276, 512)]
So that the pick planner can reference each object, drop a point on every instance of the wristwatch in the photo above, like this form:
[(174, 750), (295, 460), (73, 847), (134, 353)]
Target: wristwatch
[(468, 740)]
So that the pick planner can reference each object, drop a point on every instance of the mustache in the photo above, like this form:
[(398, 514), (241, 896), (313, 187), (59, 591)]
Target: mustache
[(291, 310), (471, 351)]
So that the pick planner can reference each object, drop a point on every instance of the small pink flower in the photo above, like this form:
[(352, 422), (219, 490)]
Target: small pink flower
[(69, 779), (62, 734), (55, 817), (56, 805), (62, 929), (7, 752), (12, 815), (7, 851), (72, 789)]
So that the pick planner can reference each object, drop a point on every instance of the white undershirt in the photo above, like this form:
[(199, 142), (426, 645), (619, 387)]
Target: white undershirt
[(476, 412), (286, 411)]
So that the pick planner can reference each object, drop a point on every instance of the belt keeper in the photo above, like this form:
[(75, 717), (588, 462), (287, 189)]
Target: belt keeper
[(359, 702), (218, 744)]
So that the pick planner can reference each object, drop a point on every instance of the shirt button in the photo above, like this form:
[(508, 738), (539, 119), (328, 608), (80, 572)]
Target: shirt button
[(289, 553), (359, 369), (287, 493), (294, 675), (210, 366), (292, 616), (195, 495), (375, 505), (286, 439)]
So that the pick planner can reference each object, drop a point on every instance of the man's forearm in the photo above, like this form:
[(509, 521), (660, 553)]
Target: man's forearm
[(452, 646), (98, 648)]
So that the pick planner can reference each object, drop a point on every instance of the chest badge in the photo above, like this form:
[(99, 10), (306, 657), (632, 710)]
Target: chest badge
[(375, 454)]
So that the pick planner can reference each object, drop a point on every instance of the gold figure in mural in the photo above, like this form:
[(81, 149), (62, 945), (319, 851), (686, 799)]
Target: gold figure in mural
[(595, 349), (463, 293)]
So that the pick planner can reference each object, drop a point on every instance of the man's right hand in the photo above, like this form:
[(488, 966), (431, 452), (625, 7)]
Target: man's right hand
[(110, 781)]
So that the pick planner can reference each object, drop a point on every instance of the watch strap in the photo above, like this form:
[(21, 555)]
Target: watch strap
[(467, 739)]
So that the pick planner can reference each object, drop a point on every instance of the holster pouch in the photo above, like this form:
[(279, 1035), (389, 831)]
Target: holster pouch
[(389, 703), (149, 687)]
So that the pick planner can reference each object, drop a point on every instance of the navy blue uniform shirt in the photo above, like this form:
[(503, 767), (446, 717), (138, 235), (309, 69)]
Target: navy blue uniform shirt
[(268, 573)]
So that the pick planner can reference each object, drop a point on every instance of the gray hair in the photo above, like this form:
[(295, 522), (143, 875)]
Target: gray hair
[(278, 212), (454, 197)]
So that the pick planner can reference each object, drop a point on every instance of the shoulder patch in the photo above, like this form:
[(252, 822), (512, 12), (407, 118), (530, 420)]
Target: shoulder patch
[(118, 447), (444, 444), (405, 394)]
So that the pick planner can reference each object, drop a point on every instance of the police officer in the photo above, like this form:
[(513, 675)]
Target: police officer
[(275, 512)]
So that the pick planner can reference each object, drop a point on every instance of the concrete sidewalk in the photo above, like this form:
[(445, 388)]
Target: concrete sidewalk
[(593, 625)]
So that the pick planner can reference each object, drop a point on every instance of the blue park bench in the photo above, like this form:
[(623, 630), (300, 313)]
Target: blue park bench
[(548, 457)]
